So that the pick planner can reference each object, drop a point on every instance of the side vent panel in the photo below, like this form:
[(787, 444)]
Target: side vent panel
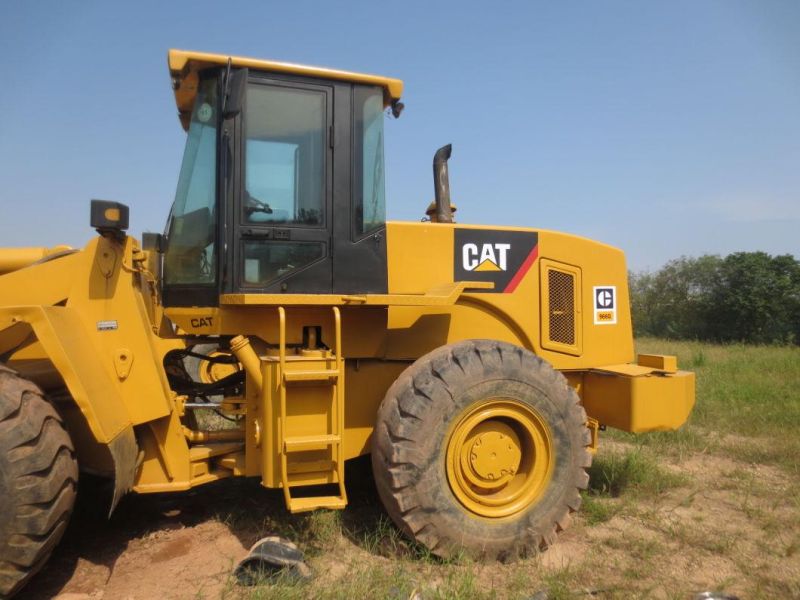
[(561, 310), (562, 307)]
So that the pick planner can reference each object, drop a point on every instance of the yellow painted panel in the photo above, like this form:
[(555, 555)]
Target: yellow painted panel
[(641, 403), (41, 285), (166, 465), (106, 296), (420, 256), (367, 383)]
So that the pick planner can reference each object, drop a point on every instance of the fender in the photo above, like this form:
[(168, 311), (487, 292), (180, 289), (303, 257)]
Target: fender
[(67, 345)]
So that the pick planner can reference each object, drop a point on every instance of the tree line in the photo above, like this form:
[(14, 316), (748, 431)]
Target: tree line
[(743, 297)]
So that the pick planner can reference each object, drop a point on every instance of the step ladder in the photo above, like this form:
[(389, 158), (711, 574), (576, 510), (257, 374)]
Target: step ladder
[(290, 384)]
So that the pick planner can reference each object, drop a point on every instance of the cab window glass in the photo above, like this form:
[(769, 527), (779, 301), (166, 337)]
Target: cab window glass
[(265, 262), (284, 156), (190, 255), (369, 179)]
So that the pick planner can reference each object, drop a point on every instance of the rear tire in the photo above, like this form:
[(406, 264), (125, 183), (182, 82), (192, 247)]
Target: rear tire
[(481, 447), (38, 480)]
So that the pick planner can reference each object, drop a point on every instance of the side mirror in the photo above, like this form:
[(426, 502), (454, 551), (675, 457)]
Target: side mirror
[(235, 86)]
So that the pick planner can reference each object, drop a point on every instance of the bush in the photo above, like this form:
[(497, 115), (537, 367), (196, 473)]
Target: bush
[(746, 297)]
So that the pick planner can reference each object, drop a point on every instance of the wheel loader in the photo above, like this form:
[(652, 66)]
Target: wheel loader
[(281, 326)]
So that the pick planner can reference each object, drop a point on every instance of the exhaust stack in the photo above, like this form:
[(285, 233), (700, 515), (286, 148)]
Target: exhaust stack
[(441, 184)]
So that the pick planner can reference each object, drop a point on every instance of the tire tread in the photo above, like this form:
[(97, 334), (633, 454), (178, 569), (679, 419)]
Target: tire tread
[(39, 480), (399, 453)]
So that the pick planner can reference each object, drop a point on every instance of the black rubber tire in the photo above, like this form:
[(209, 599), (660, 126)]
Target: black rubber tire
[(409, 447), (38, 480)]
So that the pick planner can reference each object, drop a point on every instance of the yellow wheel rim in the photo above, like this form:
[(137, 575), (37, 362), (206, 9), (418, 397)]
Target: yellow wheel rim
[(499, 458)]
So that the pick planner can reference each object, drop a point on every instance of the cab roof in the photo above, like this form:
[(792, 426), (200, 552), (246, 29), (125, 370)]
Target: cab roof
[(184, 66)]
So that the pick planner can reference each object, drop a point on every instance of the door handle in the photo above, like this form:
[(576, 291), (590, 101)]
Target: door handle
[(266, 234)]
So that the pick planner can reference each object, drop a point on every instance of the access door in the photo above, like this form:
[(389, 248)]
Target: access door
[(283, 210)]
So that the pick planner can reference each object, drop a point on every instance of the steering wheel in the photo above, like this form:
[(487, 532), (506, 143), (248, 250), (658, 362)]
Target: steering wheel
[(254, 205)]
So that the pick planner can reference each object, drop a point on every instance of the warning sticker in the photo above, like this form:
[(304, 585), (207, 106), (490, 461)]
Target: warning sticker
[(605, 304)]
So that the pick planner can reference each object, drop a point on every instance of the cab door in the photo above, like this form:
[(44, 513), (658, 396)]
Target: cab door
[(282, 217)]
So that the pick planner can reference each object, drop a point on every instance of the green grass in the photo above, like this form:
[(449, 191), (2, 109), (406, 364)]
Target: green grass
[(633, 472), (324, 528), (597, 508), (616, 478), (361, 581)]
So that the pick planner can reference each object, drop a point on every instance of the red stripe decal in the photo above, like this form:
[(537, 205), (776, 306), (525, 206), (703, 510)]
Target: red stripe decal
[(521, 272)]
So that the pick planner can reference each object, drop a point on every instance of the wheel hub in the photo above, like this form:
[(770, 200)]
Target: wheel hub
[(493, 456), (499, 458)]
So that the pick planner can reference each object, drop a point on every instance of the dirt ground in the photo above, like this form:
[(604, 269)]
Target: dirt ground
[(732, 526)]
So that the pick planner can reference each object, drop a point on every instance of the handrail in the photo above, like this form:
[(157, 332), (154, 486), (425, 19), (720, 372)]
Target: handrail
[(441, 295), (282, 387), (337, 449)]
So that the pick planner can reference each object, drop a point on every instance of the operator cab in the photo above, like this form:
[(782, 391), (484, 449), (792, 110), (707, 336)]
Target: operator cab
[(281, 189)]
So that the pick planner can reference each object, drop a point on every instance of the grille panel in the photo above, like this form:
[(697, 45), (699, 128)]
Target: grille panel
[(561, 287)]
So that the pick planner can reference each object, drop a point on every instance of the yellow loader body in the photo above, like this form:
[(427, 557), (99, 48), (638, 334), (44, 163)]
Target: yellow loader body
[(88, 326), (281, 326)]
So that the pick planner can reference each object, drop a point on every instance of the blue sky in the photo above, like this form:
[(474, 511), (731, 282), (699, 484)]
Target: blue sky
[(666, 129)]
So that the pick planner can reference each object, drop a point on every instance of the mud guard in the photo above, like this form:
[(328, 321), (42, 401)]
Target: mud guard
[(124, 452)]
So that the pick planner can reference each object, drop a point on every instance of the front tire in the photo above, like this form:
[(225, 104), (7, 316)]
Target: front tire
[(38, 480), (481, 446)]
